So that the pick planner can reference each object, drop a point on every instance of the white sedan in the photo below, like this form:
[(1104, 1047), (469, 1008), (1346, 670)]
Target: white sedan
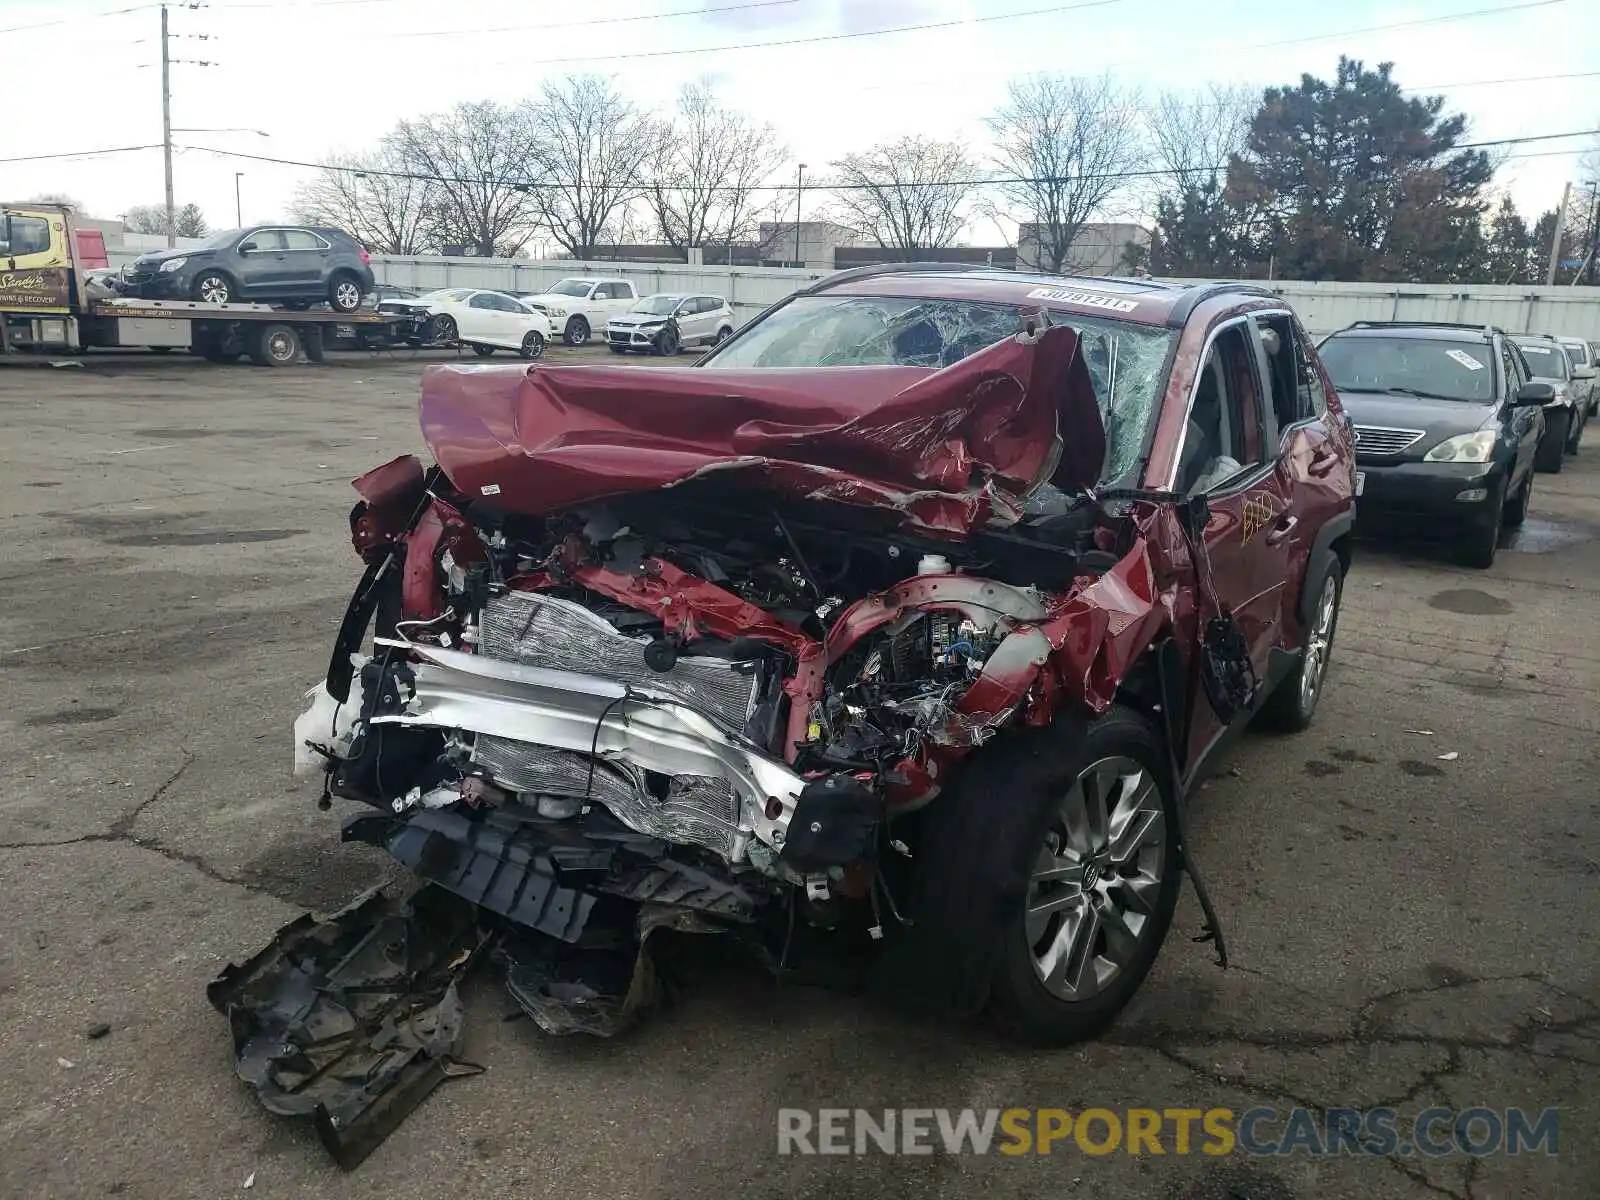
[(486, 321)]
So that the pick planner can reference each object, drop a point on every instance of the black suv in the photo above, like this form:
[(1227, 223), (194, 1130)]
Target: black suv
[(285, 264), (1447, 425)]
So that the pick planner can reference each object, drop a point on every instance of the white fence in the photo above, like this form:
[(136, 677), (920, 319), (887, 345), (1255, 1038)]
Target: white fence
[(1323, 307)]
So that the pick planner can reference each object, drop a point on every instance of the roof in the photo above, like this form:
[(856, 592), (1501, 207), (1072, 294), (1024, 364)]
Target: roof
[(1146, 301)]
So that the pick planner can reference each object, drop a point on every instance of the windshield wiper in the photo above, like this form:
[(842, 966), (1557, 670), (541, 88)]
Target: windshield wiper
[(1421, 395)]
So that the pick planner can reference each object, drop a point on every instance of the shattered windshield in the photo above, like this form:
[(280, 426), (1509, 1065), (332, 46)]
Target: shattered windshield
[(1125, 360)]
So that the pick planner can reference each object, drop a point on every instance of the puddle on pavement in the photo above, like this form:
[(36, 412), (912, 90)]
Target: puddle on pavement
[(1470, 602), (1539, 536)]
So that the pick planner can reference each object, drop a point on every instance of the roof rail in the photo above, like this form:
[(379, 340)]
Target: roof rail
[(1204, 291), (1485, 329), (851, 274)]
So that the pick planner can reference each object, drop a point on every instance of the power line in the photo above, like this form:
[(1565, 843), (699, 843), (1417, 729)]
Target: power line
[(544, 25), (534, 185), (1412, 24), (115, 12), (820, 38), (80, 153)]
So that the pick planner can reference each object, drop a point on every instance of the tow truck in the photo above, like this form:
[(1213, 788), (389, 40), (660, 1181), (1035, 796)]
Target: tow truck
[(48, 305)]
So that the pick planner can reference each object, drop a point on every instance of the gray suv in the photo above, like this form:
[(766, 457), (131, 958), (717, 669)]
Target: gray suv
[(283, 264)]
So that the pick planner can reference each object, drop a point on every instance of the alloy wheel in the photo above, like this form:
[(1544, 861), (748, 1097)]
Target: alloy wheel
[(214, 289), (346, 296), (1319, 643), (1095, 888)]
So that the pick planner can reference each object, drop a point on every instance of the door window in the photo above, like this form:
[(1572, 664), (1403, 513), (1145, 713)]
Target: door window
[(483, 300), (1511, 363), (24, 235), (264, 241), (1223, 435), (302, 239)]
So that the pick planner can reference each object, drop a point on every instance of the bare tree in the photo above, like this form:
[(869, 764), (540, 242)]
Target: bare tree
[(710, 161), (475, 159), (1194, 134), (908, 195), (374, 198), (187, 222), (1064, 145), (58, 198), (590, 147)]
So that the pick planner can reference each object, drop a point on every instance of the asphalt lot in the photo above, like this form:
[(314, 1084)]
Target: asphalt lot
[(1408, 928)]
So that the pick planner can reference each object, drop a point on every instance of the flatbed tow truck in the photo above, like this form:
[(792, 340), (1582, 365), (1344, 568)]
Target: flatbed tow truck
[(46, 307)]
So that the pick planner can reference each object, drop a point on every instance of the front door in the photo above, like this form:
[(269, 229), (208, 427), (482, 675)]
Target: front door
[(35, 261), (1230, 453), (263, 263), (305, 260)]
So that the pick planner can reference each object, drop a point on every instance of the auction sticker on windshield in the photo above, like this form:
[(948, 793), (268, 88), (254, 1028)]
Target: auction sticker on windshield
[(1465, 359), (1088, 299)]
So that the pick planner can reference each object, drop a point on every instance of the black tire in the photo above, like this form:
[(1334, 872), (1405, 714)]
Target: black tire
[(313, 340), (667, 343), (481, 350), (615, 349), (344, 292), (978, 849), (275, 345), (1552, 447), (1292, 704), (532, 344), (723, 335), (1579, 420), (443, 328), (1517, 507), (214, 287), (577, 332), (159, 349), (1480, 551)]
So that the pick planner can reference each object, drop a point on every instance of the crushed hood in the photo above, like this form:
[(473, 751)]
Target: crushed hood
[(948, 450)]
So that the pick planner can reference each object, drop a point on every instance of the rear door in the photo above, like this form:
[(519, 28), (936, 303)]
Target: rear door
[(481, 320), (305, 262), (1229, 453)]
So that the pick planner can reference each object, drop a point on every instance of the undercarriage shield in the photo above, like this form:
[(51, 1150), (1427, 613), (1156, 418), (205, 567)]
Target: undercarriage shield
[(353, 1020)]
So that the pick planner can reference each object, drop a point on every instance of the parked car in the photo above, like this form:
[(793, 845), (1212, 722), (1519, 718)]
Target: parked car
[(579, 306), (474, 317), (1447, 427), (1586, 386), (881, 620), (388, 291), (669, 321), (1564, 416), (288, 265)]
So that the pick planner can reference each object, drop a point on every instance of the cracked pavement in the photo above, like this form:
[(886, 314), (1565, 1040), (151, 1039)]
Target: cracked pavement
[(1408, 930)]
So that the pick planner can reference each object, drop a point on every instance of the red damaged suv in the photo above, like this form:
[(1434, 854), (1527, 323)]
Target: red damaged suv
[(896, 629)]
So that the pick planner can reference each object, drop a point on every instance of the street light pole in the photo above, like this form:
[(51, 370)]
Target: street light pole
[(799, 183), (238, 204)]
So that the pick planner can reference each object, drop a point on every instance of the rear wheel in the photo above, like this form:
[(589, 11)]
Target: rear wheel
[(481, 350), (577, 331), (1552, 445), (532, 344), (1293, 702), (723, 335), (344, 293), (275, 346)]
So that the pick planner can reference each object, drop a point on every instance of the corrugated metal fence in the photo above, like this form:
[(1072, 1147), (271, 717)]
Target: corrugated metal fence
[(1323, 307)]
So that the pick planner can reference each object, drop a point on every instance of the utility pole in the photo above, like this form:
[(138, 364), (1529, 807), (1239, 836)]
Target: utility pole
[(166, 125), (1594, 233), (238, 204), (799, 184), (1555, 238)]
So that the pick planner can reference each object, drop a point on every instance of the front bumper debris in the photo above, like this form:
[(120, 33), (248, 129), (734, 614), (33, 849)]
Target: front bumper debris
[(354, 1020)]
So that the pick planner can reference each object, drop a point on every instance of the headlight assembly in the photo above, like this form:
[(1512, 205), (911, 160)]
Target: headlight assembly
[(1464, 447)]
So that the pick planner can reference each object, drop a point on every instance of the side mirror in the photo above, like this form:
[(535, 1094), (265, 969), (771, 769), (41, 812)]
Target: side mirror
[(247, 247), (1532, 395), (1584, 372)]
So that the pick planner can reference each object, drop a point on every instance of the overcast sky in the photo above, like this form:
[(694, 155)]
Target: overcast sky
[(324, 75)]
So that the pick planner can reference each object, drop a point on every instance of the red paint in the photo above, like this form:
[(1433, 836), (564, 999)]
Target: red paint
[(391, 493), (948, 450)]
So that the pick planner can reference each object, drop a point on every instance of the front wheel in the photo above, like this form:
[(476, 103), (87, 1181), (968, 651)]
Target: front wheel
[(1517, 506), (532, 344), (1052, 867), (1293, 702), (1580, 418), (1552, 445), (1484, 542), (667, 343), (577, 332), (443, 328), (213, 287)]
